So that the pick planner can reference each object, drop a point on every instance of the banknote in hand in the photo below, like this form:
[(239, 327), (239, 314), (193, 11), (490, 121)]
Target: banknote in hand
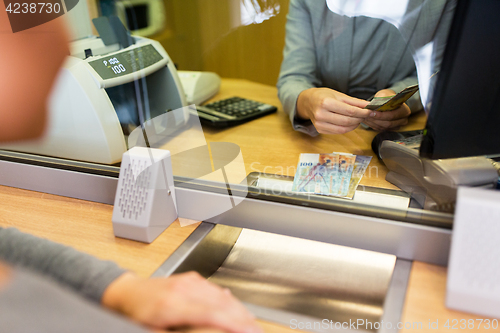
[(390, 103)]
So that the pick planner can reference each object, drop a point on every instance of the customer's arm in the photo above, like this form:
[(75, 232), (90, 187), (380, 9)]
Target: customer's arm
[(330, 111), (30, 303), (298, 69), (184, 300), (83, 273)]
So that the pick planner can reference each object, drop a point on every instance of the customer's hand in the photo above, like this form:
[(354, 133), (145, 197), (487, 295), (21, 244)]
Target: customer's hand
[(5, 275), (26, 83), (386, 120), (330, 111), (181, 301), (193, 330)]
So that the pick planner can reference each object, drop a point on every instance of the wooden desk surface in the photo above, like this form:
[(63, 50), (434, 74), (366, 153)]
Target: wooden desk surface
[(270, 144), (87, 226)]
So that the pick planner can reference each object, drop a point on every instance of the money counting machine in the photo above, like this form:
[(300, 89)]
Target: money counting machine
[(103, 91)]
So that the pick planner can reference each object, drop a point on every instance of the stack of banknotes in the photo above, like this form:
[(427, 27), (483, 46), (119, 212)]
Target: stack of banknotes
[(335, 174)]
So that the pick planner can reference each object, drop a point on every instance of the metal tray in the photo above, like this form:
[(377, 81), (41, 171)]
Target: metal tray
[(296, 282)]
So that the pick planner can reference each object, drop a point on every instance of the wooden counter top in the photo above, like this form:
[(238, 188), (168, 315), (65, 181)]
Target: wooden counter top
[(270, 144)]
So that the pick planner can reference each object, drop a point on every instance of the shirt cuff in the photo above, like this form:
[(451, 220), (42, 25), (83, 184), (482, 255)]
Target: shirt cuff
[(304, 126)]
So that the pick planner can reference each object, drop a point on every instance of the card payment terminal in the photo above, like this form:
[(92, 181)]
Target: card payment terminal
[(431, 183)]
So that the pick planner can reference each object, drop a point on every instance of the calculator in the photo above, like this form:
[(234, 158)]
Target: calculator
[(232, 111)]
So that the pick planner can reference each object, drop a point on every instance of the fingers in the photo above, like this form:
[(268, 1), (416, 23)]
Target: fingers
[(385, 120), (226, 316), (181, 301), (383, 125), (399, 113), (385, 93), (332, 112), (223, 310), (188, 330), (360, 103), (337, 119), (342, 106), (326, 128)]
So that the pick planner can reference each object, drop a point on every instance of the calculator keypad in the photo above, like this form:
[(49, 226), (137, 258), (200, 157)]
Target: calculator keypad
[(235, 110)]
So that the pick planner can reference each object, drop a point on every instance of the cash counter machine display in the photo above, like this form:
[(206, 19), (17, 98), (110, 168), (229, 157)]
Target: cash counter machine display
[(99, 100), (126, 62), (128, 106)]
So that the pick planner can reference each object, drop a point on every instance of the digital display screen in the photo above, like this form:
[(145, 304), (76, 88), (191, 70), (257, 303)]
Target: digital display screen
[(115, 64), (126, 62)]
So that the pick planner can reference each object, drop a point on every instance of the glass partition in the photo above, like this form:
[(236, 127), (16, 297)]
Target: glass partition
[(126, 94)]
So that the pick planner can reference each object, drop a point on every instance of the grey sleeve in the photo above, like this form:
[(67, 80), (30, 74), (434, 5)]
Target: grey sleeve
[(30, 303), (414, 102), (298, 69), (81, 272)]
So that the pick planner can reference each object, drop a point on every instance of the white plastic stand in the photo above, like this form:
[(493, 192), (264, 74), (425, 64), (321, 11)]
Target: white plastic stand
[(473, 283), (145, 202)]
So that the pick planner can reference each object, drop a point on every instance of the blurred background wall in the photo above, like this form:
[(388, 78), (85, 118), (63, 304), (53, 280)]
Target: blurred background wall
[(234, 38)]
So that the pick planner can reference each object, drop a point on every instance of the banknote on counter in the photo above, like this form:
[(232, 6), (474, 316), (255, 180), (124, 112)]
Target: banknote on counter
[(360, 166), (346, 165), (303, 182), (325, 174), (333, 174), (316, 173), (392, 102)]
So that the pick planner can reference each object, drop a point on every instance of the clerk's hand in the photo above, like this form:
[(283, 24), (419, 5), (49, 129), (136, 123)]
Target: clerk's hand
[(181, 301), (386, 120), (330, 111)]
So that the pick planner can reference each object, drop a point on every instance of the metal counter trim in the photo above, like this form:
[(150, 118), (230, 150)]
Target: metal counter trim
[(405, 240)]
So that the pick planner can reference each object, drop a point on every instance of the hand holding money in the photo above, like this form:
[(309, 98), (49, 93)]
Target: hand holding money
[(390, 119), (330, 111)]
